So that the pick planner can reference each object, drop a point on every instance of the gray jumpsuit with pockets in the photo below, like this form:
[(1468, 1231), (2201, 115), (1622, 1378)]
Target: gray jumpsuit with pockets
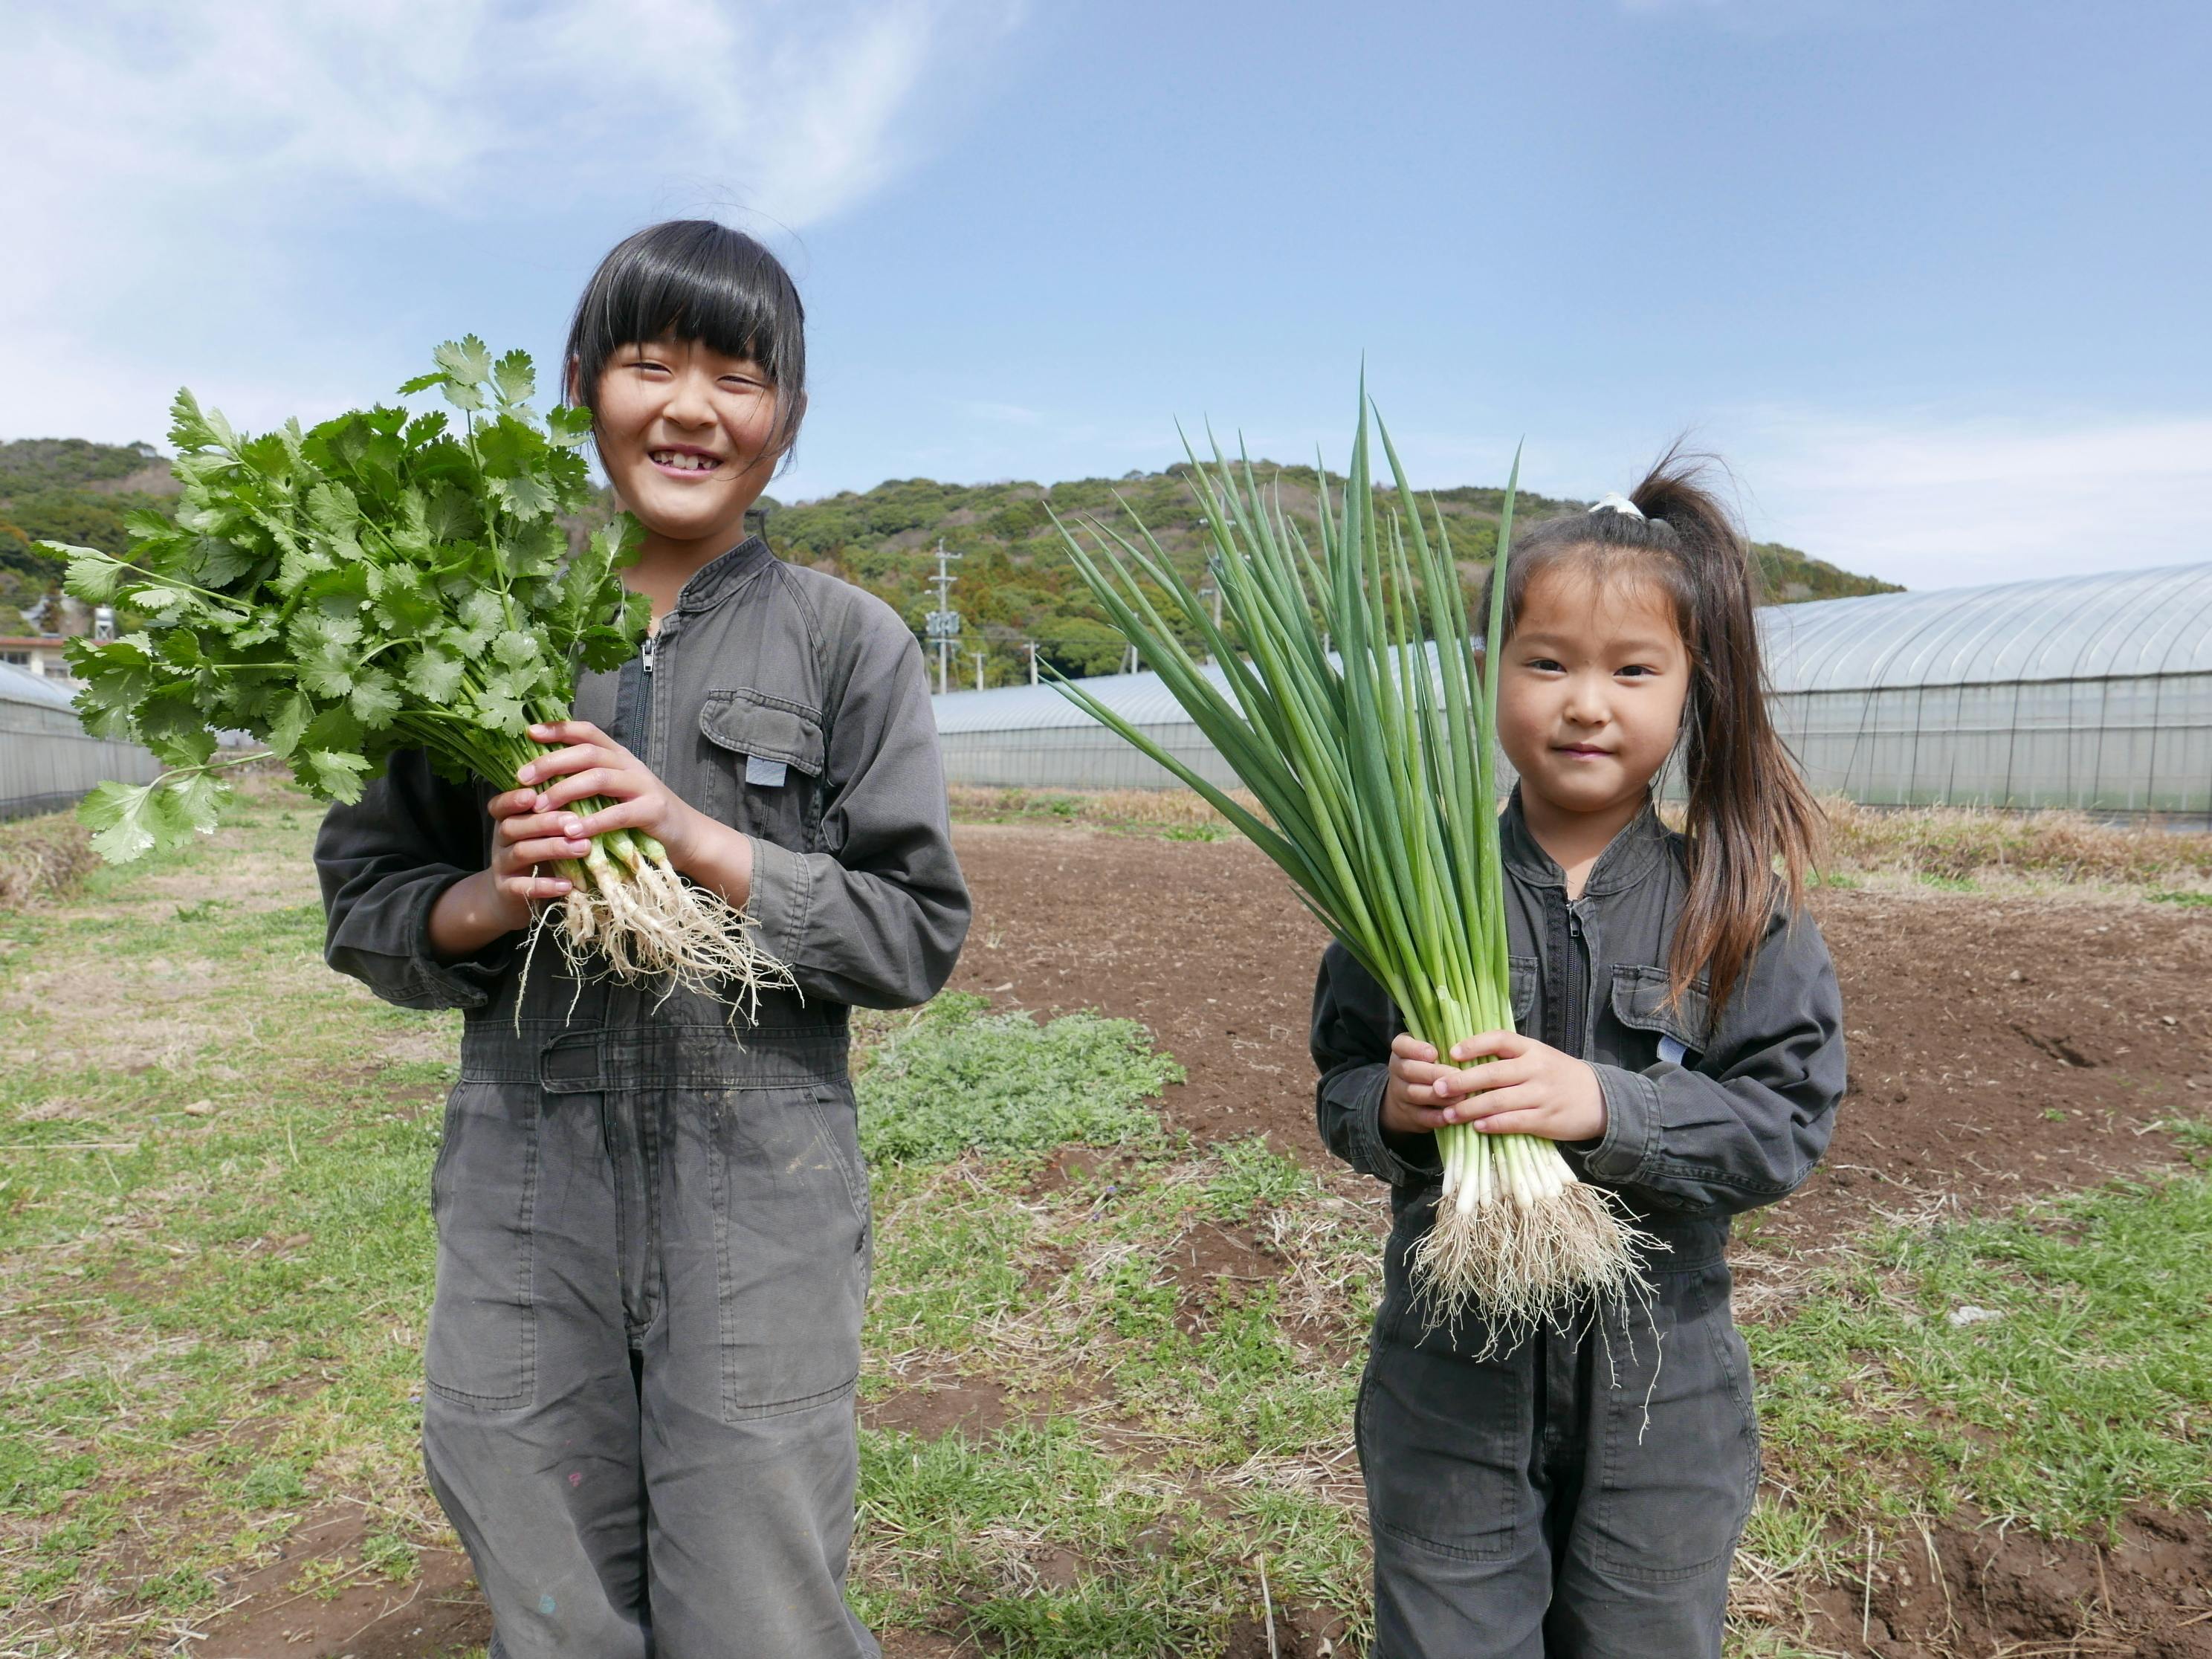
[(654, 1232), (1581, 1495)]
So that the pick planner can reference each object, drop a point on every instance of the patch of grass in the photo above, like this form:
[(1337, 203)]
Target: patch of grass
[(960, 1078), (2091, 1390), (2187, 901), (1054, 1548), (1946, 884), (2194, 1133)]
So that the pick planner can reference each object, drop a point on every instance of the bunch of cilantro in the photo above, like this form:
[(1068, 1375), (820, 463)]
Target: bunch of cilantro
[(380, 581)]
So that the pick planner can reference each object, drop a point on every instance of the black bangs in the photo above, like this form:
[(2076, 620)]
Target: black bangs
[(697, 281)]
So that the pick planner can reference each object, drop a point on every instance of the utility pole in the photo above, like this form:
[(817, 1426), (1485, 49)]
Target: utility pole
[(1033, 671), (945, 621), (978, 655), (1211, 589)]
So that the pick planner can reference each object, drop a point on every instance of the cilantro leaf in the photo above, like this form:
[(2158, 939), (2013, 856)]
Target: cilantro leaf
[(338, 774), (91, 574), (527, 497), (516, 380), (435, 676), (287, 719), (127, 820), (569, 425), (467, 360)]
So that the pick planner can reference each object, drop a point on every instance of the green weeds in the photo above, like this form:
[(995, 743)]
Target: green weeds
[(957, 1078), (2049, 1369)]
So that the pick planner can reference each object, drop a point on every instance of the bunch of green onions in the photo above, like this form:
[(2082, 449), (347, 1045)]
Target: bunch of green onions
[(1375, 768)]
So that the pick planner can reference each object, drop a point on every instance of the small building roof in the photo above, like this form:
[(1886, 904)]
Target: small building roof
[(21, 685)]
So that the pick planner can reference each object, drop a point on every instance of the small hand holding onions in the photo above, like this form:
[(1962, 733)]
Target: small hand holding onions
[(1529, 1087)]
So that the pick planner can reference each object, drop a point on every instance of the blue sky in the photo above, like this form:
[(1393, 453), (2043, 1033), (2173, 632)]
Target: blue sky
[(1931, 277)]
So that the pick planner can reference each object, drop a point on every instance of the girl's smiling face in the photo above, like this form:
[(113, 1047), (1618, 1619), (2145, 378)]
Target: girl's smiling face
[(686, 436), (1591, 690)]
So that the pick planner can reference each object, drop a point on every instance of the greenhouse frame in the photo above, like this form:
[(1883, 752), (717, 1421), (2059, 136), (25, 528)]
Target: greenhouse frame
[(2090, 692), (47, 760)]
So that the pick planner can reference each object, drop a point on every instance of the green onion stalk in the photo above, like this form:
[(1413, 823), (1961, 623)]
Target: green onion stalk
[(1374, 766)]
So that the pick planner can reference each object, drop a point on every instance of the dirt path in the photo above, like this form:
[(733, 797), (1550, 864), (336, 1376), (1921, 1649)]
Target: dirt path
[(1999, 1047)]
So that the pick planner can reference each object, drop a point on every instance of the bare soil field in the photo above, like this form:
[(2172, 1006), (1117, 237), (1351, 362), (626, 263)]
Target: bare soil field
[(2001, 1046)]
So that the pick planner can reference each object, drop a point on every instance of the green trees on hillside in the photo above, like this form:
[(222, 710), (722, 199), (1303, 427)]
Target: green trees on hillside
[(68, 489), (1013, 584)]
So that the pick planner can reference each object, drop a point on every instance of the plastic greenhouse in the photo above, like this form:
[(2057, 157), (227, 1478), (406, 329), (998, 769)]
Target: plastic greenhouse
[(2093, 692), (46, 759)]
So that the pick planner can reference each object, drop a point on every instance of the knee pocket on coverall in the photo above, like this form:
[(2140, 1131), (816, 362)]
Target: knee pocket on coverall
[(481, 1350), (1442, 1438), (1673, 1492), (794, 1247)]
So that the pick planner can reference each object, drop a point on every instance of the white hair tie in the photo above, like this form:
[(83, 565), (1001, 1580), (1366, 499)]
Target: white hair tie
[(1617, 503)]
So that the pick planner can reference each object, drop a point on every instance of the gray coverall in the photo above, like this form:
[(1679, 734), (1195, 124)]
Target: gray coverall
[(653, 1238), (1523, 1504)]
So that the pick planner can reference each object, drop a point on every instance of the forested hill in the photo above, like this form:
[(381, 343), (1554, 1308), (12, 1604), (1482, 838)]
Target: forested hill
[(1013, 582)]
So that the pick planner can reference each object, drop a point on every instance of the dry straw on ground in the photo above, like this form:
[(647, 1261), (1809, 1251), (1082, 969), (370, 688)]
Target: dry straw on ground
[(42, 860), (1958, 842), (1944, 842), (1170, 808)]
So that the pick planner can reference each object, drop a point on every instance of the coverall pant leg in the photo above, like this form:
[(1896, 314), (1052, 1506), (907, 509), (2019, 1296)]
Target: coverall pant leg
[(1578, 1496), (642, 1362)]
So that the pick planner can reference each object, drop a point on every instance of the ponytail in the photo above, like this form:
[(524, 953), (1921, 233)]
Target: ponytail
[(1748, 805)]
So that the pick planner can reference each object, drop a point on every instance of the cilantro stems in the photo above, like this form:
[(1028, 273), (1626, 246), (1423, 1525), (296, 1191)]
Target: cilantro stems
[(375, 583)]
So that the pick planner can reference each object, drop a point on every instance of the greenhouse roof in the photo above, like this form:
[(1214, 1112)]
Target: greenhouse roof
[(2066, 628), (21, 685), (2136, 623)]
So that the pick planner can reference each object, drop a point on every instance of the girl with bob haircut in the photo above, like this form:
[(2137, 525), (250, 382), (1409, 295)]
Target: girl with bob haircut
[(1679, 1034), (653, 1232)]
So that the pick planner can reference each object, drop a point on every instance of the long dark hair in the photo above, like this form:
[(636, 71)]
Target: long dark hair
[(699, 281), (1749, 805)]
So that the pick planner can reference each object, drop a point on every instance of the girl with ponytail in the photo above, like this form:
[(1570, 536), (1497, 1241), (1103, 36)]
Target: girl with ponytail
[(1678, 1032)]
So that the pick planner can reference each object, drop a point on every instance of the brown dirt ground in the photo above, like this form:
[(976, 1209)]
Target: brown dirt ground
[(275, 1617), (2001, 1047)]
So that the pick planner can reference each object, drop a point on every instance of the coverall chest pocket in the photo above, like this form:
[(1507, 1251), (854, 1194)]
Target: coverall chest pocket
[(1655, 1025), (1526, 974), (764, 775)]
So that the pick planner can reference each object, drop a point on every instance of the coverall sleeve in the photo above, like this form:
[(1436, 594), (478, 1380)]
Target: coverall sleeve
[(383, 861), (1748, 1124), (878, 918), (1353, 1021)]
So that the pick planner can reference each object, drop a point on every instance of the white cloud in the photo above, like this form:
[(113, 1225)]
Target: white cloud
[(158, 148), (1936, 502)]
